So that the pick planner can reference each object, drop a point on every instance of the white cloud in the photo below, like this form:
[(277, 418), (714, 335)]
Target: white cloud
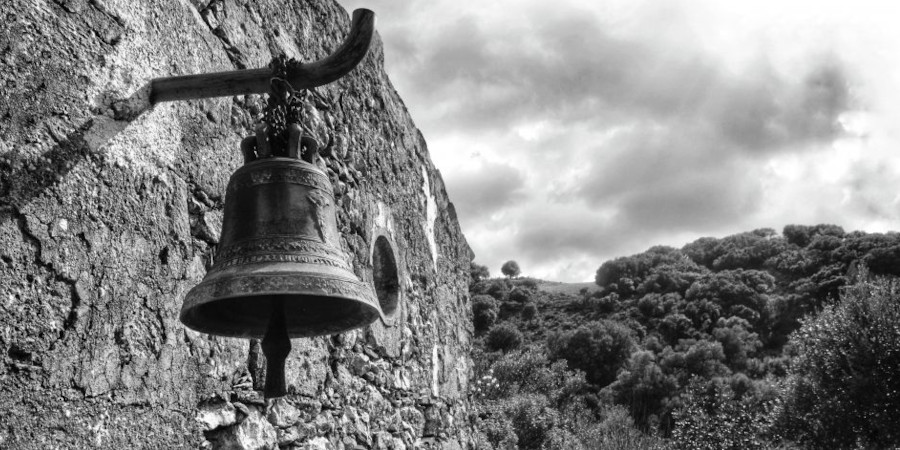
[(617, 125)]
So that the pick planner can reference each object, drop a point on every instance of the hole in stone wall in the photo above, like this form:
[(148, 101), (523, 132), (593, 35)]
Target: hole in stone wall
[(387, 281)]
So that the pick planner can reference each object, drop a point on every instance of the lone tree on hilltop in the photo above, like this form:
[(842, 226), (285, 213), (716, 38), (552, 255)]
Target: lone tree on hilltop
[(511, 269)]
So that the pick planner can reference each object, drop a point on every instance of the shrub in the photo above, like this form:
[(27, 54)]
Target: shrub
[(497, 430), (691, 357), (504, 337), (712, 417), (497, 289), (529, 311), (519, 295), (643, 388), (484, 311), (599, 349), (530, 371), (737, 343), (616, 430), (478, 272), (845, 382), (604, 304), (533, 418), (529, 283)]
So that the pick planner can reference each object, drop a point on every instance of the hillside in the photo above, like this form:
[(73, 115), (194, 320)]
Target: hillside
[(715, 316)]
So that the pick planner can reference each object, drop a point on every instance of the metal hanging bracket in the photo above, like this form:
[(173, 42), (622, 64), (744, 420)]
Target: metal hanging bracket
[(257, 81)]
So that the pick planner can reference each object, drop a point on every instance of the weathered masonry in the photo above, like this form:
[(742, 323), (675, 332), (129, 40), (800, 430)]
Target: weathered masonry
[(109, 214)]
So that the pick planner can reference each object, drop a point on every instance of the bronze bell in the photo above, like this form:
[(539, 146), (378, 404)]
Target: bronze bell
[(279, 271), (279, 245)]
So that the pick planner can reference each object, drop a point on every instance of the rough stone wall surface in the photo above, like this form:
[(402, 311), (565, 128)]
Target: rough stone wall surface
[(109, 213)]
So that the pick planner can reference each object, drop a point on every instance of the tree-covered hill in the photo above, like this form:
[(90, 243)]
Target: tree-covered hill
[(669, 335)]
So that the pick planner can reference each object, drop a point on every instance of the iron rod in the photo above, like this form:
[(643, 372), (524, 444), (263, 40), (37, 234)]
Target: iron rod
[(256, 81)]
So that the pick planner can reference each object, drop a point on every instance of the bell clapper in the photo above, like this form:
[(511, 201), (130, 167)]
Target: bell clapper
[(276, 345)]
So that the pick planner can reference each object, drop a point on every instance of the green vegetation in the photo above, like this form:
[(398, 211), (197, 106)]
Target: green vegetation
[(755, 340)]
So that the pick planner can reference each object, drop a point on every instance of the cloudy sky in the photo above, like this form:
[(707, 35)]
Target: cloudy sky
[(570, 132)]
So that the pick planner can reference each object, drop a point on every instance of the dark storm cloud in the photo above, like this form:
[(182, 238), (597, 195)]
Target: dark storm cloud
[(485, 189)]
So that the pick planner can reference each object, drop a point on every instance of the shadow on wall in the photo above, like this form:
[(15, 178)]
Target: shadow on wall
[(27, 177)]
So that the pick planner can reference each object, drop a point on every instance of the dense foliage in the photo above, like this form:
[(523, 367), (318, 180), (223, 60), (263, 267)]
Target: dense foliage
[(702, 347), (848, 360)]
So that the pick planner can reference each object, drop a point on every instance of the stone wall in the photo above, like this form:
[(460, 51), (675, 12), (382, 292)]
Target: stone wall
[(109, 213)]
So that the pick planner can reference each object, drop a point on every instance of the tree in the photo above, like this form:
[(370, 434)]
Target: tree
[(802, 235), (510, 269), (484, 311), (478, 272), (497, 289), (635, 267), (737, 342), (738, 292), (642, 387), (844, 389), (519, 295), (599, 349), (504, 337)]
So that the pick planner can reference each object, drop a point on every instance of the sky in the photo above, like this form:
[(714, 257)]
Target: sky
[(572, 132)]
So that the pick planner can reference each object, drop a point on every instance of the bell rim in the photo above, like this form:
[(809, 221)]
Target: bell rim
[(205, 293)]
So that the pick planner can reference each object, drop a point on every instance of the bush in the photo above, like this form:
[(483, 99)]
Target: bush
[(643, 388), (603, 304), (845, 382), (497, 430), (712, 417), (737, 343), (529, 311), (530, 371), (526, 282), (504, 337), (533, 418), (599, 349), (478, 272), (519, 295), (497, 289), (526, 401), (616, 430), (484, 311)]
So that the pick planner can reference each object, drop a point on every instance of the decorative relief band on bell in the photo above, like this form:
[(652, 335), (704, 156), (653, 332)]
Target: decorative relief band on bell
[(279, 174), (274, 244), (288, 258), (276, 283)]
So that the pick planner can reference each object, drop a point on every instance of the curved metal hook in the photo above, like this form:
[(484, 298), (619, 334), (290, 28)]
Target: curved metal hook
[(256, 81)]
